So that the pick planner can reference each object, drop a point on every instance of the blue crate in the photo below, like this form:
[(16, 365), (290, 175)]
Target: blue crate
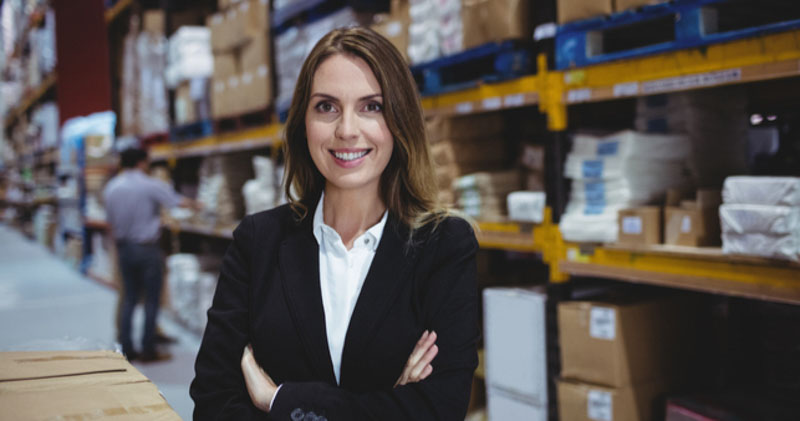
[(488, 63), (682, 25), (191, 131)]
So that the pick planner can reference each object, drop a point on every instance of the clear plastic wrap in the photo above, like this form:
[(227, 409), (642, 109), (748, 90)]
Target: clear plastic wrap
[(785, 247), (772, 220), (775, 191)]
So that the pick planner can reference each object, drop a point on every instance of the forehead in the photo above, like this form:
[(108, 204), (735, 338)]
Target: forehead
[(344, 75)]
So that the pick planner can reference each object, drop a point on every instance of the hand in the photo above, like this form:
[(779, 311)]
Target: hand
[(419, 367), (259, 385)]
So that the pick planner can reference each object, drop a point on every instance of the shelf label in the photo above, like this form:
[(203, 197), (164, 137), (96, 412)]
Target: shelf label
[(626, 89), (632, 225), (492, 103), (579, 95), (464, 108), (599, 406), (603, 323), (691, 81), (514, 100)]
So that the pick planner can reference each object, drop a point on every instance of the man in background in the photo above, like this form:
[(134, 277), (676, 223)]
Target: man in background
[(133, 203)]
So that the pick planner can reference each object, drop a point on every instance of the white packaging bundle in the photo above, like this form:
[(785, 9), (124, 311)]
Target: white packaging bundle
[(451, 26), (786, 247), (614, 172), (776, 191), (772, 220), (189, 55), (630, 144), (153, 110)]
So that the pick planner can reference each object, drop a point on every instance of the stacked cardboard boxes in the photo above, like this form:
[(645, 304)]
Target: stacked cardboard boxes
[(241, 44), (496, 20), (394, 25), (693, 223), (620, 353), (464, 145), (574, 10)]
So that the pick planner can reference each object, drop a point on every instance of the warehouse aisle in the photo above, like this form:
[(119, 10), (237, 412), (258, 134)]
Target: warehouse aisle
[(46, 305)]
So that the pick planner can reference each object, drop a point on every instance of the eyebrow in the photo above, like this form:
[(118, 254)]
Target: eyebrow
[(363, 98)]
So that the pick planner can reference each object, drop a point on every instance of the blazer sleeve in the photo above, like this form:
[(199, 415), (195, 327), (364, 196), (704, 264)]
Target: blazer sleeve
[(450, 307), (219, 389)]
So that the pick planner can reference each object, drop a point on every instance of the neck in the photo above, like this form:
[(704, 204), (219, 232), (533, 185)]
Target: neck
[(351, 212)]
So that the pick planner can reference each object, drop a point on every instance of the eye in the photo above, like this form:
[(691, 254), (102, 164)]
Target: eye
[(325, 107), (374, 107)]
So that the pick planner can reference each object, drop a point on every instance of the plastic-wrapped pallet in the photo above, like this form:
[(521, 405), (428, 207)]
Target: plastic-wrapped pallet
[(189, 55), (152, 106), (219, 189), (191, 290), (761, 217), (616, 172)]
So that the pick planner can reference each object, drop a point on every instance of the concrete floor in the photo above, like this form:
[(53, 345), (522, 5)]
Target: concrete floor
[(47, 305)]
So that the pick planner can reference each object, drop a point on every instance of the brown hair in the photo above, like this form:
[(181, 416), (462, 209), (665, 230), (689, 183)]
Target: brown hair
[(407, 184)]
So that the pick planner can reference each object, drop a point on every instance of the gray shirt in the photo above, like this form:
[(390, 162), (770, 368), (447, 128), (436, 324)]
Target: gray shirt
[(133, 206)]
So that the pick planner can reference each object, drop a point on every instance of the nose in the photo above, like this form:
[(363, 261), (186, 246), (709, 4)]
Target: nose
[(347, 126)]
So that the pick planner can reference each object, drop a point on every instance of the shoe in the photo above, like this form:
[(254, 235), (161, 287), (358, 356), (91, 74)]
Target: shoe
[(132, 355), (162, 338), (154, 356)]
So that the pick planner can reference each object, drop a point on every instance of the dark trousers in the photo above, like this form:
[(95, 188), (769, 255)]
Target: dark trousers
[(141, 267)]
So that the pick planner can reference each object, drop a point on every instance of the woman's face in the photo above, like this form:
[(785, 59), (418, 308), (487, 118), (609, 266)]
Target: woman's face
[(346, 131)]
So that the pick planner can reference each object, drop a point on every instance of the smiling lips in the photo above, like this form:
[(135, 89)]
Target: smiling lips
[(349, 158)]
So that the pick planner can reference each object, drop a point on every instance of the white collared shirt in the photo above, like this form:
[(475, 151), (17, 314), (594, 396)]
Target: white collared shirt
[(342, 273)]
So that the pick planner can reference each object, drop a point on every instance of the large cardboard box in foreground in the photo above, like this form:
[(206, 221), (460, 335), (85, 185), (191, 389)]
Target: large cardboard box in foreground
[(588, 402), (625, 340), (77, 385)]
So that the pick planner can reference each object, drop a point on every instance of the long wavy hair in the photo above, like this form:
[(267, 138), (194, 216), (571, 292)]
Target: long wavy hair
[(407, 185)]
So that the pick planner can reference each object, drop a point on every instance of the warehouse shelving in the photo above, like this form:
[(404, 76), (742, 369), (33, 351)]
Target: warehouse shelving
[(31, 99), (260, 137)]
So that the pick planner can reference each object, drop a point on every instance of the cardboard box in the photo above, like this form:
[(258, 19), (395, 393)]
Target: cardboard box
[(225, 65), (495, 20), (153, 21), (533, 181), (691, 226), (77, 385), (256, 89), (255, 53), (516, 342), (219, 97), (640, 226), (395, 30), (620, 341), (257, 17), (572, 10), (622, 5), (457, 128), (532, 157), (588, 402)]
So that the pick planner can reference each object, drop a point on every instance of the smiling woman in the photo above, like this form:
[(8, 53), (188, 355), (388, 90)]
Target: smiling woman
[(358, 299)]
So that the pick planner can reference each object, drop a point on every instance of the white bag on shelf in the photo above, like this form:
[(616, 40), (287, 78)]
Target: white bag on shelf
[(776, 191), (772, 220)]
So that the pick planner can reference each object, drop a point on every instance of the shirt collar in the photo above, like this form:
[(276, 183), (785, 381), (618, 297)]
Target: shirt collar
[(374, 233)]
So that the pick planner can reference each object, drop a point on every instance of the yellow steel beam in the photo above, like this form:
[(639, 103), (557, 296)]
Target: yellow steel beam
[(485, 97)]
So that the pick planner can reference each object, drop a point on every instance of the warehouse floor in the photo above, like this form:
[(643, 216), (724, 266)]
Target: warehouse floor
[(46, 305)]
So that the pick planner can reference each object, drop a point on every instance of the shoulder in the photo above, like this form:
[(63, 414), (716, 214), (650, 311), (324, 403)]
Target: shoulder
[(451, 232), (270, 223)]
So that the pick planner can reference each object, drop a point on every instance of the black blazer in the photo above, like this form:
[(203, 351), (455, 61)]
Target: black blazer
[(269, 295)]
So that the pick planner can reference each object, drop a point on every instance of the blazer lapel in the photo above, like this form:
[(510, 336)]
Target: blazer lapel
[(299, 263), (390, 268)]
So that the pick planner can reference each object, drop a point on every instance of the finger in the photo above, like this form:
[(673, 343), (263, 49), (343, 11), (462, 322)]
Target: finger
[(426, 372), (416, 371), (428, 339)]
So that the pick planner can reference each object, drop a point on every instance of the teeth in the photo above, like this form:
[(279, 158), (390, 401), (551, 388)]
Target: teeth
[(349, 156)]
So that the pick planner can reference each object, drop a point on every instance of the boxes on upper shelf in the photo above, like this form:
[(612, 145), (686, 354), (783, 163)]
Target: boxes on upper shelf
[(495, 20), (572, 10), (622, 5), (640, 226), (694, 223), (395, 30)]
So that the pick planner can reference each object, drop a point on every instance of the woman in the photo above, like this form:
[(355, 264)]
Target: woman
[(342, 294)]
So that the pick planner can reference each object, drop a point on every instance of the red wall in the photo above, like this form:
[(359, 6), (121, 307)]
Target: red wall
[(84, 76)]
